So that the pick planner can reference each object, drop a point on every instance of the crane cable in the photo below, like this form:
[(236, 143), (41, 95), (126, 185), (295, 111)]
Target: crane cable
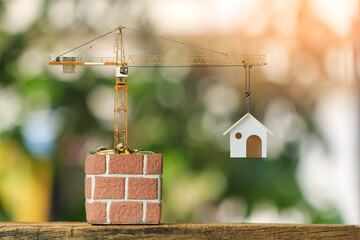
[(87, 49), (87, 43), (146, 33), (172, 40), (247, 86)]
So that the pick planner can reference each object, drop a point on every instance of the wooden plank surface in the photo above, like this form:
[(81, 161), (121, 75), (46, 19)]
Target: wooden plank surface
[(68, 230)]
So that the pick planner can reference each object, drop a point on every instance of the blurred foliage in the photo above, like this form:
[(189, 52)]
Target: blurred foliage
[(166, 116)]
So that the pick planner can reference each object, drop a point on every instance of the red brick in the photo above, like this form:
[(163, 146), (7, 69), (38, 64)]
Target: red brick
[(126, 212), (126, 164), (143, 188), (154, 164), (95, 164), (87, 187), (95, 212), (109, 188), (153, 213)]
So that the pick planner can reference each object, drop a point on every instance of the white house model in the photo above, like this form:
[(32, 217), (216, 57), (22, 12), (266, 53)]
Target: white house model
[(248, 138)]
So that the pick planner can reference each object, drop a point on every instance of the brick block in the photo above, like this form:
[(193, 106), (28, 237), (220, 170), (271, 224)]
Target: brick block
[(143, 188), (95, 212), (153, 213), (126, 212), (109, 188), (140, 186), (126, 164), (87, 187), (95, 164), (154, 164)]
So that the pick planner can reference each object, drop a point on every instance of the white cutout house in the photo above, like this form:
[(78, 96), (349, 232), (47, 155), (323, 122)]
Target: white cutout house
[(248, 138)]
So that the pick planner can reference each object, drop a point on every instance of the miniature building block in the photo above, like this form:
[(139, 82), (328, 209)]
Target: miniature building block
[(152, 211), (154, 164), (126, 212), (87, 187), (95, 164), (126, 164), (123, 189), (143, 188), (109, 188), (95, 212)]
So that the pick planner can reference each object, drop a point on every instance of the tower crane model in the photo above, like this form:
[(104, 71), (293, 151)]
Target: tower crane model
[(122, 65)]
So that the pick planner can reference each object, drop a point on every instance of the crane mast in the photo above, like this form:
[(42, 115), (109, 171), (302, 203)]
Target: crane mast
[(122, 63), (120, 93)]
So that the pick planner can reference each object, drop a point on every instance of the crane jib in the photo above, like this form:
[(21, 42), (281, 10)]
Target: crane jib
[(134, 60)]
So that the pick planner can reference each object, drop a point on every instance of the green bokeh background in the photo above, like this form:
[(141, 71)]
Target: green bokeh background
[(171, 111)]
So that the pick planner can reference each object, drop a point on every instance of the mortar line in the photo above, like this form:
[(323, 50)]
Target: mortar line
[(159, 189), (126, 188), (122, 200), (144, 167), (108, 211), (125, 175), (144, 211), (107, 157), (92, 186)]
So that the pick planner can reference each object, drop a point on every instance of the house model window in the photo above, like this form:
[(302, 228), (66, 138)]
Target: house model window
[(248, 138), (238, 135)]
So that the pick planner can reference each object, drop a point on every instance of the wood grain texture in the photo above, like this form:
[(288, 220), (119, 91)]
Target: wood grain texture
[(68, 230)]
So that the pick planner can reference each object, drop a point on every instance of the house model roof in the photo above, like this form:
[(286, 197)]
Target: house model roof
[(248, 115)]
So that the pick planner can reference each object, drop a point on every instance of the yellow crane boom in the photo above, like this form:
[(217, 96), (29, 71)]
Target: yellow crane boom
[(138, 60), (122, 63)]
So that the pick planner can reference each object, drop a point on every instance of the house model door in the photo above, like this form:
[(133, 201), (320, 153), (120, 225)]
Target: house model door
[(253, 147)]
